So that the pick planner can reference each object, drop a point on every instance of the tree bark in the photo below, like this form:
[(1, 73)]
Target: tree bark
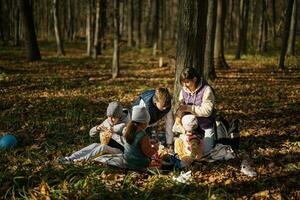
[(115, 61), (292, 36), (70, 20), (88, 28), (96, 46), (191, 39), (130, 23), (33, 52), (285, 33), (242, 29), (263, 29), (154, 25), (17, 27), (1, 24), (59, 44), (160, 38), (137, 22), (219, 57), (273, 7), (209, 68)]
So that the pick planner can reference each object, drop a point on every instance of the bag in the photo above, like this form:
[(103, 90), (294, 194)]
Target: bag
[(227, 133), (220, 152)]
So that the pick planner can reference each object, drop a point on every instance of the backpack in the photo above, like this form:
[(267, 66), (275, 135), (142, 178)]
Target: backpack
[(227, 133)]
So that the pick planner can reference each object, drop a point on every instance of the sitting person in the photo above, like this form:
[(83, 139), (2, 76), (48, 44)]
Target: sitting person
[(111, 139), (117, 119), (158, 104), (189, 146), (138, 148), (197, 98)]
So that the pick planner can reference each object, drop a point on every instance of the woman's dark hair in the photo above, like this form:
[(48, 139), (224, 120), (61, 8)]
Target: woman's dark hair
[(189, 73), (130, 131)]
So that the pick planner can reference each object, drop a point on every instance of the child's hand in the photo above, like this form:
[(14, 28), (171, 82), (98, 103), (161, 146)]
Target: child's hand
[(155, 146), (183, 108)]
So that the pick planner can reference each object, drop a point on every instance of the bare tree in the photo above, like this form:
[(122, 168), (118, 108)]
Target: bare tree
[(115, 61), (242, 29), (96, 45), (191, 38), (209, 67), (33, 52), (219, 57), (263, 28), (285, 33), (59, 43), (89, 28), (293, 29), (130, 23)]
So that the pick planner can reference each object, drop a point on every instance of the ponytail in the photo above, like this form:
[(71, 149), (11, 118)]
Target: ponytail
[(130, 131)]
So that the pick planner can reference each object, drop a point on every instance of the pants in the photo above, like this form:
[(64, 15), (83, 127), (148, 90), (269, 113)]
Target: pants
[(116, 160), (92, 151)]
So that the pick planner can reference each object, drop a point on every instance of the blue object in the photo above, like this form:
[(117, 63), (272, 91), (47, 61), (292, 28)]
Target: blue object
[(8, 141)]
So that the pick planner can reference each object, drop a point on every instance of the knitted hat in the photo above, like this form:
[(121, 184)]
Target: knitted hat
[(189, 122), (140, 114), (114, 109)]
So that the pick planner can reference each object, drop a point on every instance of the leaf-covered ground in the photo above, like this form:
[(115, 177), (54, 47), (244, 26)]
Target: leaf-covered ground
[(50, 106)]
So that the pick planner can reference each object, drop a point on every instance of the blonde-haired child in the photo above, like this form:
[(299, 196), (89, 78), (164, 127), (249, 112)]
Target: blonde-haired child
[(189, 146)]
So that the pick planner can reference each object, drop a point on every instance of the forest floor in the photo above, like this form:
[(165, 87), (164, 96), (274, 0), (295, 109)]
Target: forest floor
[(50, 106)]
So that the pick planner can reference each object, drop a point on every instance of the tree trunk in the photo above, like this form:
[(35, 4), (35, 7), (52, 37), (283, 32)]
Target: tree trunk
[(154, 25), (209, 68), (70, 20), (103, 24), (137, 22), (130, 23), (17, 27), (292, 36), (285, 33), (115, 61), (88, 28), (220, 61), (273, 6), (96, 46), (242, 29), (60, 48), (161, 27), (245, 27), (253, 13), (229, 30), (33, 52), (263, 26), (146, 27), (1, 24), (191, 39)]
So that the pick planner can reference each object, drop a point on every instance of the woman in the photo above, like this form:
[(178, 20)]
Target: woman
[(197, 98)]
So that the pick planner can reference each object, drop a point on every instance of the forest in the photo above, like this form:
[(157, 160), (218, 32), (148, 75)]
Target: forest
[(63, 61)]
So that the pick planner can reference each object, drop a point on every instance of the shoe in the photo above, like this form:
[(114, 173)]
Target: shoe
[(247, 169), (63, 160), (183, 177)]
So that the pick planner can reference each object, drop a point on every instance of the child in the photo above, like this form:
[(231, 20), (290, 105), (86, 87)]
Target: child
[(189, 146), (138, 148), (111, 139), (158, 104), (117, 118)]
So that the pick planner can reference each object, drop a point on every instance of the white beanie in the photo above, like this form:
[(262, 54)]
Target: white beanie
[(189, 122), (140, 114)]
